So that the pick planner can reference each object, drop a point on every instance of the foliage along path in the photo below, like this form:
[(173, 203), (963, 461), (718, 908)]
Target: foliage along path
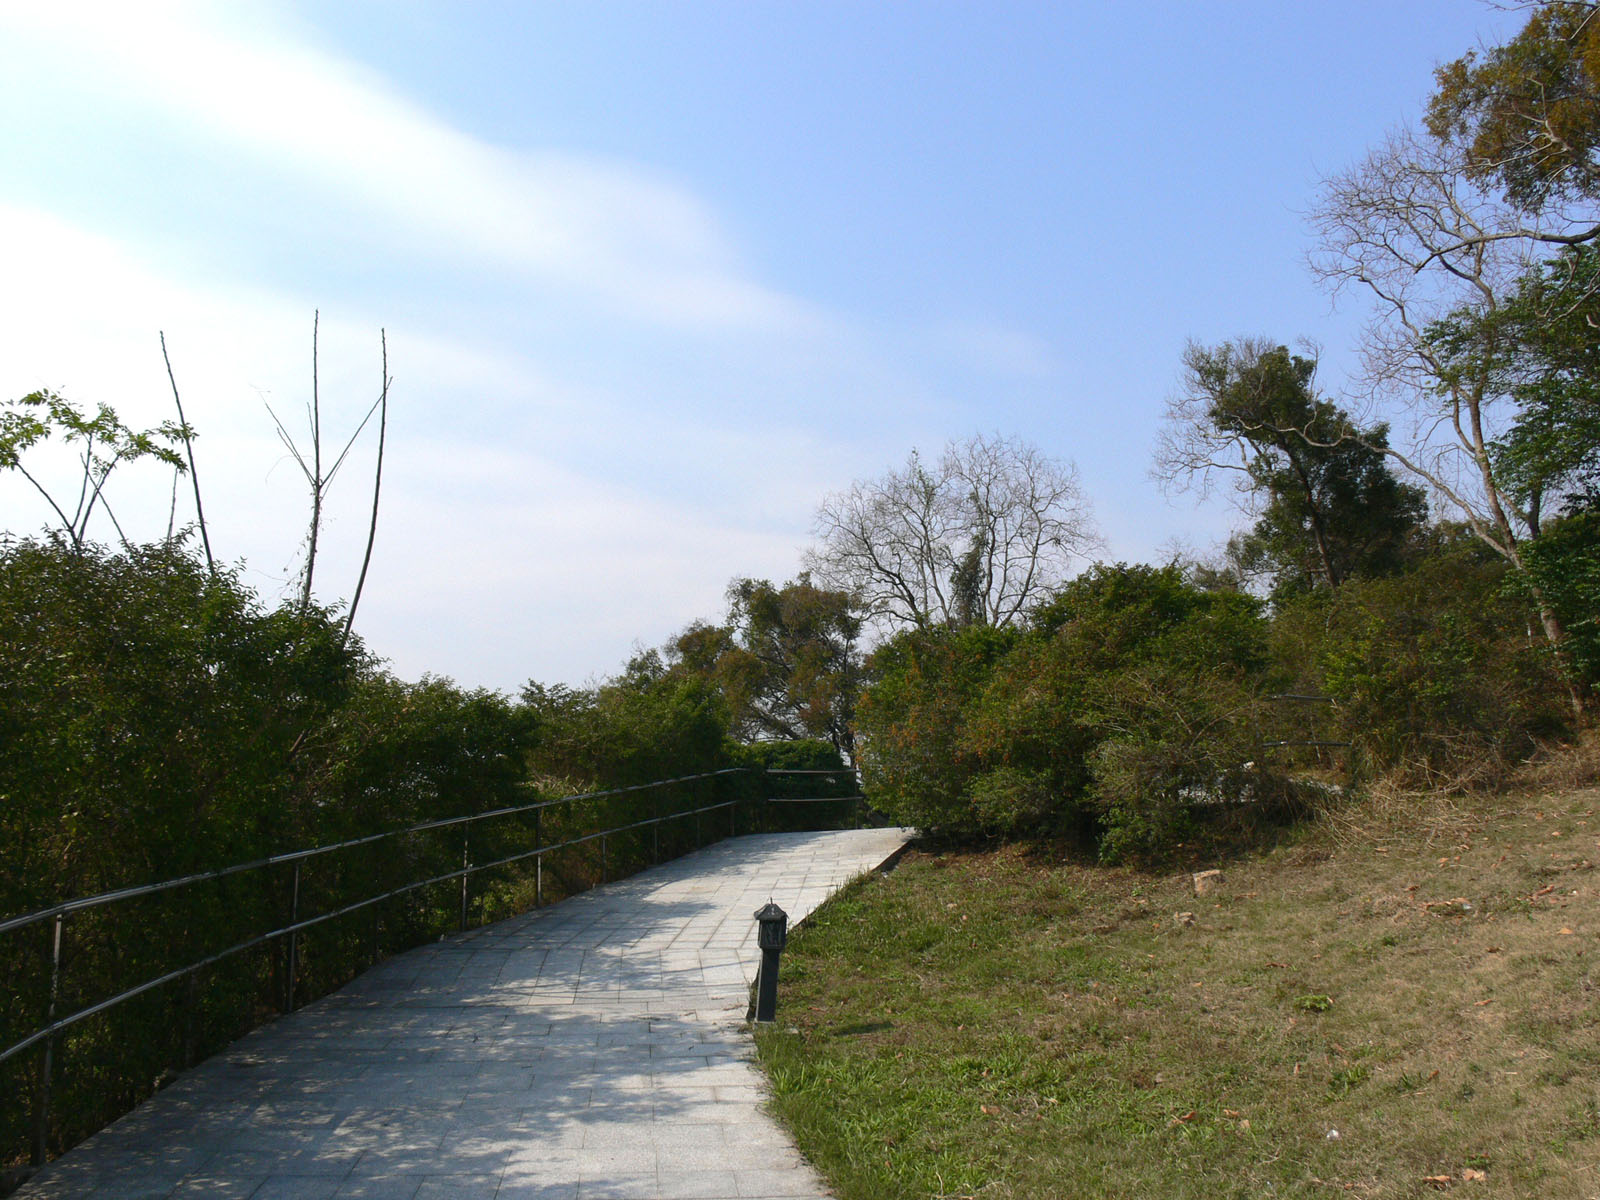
[(593, 1048)]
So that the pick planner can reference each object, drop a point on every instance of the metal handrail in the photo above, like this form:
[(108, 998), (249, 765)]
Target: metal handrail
[(294, 927), (128, 893), (55, 1025), (809, 799)]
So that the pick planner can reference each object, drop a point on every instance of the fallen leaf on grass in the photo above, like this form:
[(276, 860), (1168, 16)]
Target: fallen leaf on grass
[(1471, 1176), (1564, 929), (989, 1109), (1188, 1116), (1442, 1181)]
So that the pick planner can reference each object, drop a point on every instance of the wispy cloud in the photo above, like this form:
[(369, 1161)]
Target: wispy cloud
[(640, 243)]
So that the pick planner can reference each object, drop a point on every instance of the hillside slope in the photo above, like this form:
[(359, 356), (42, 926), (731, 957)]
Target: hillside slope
[(1405, 999)]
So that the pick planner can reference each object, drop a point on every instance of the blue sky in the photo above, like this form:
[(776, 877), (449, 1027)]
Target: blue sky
[(658, 277)]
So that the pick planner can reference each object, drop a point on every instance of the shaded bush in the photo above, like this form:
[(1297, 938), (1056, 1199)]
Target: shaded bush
[(1441, 673), (805, 755), (1564, 563), (156, 720)]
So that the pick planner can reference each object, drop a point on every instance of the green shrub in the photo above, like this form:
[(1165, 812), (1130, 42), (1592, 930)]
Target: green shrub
[(1013, 801), (1180, 742), (1130, 702), (804, 754), (910, 724), (1564, 563), (157, 720), (1441, 672)]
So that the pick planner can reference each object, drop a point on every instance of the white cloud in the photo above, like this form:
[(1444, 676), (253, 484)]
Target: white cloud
[(549, 499), (503, 551), (638, 242), (507, 566)]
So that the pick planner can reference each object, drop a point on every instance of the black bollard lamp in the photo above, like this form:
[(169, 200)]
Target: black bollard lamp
[(772, 927), (772, 932)]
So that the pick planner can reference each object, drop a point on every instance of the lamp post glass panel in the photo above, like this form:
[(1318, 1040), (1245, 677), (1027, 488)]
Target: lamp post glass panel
[(772, 932)]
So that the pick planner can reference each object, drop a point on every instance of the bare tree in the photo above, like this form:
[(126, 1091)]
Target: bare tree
[(973, 539), (318, 481), (377, 490)]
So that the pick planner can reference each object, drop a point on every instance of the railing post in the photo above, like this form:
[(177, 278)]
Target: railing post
[(41, 1121), (603, 873), (294, 935), (466, 850), (538, 859), (655, 825)]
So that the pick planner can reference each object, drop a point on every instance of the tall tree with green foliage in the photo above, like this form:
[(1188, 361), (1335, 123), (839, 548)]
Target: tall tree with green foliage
[(1441, 229), (1327, 505), (1550, 457), (788, 660), (1527, 114)]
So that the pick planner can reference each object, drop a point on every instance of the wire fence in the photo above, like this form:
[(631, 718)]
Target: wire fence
[(267, 935)]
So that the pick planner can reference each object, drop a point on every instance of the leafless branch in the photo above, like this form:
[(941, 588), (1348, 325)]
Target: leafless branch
[(377, 487), (188, 446)]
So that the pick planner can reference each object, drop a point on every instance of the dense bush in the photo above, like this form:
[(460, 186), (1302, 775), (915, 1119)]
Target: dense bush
[(647, 723), (1131, 700), (157, 720), (910, 723), (1441, 672), (153, 718), (1564, 563), (800, 796)]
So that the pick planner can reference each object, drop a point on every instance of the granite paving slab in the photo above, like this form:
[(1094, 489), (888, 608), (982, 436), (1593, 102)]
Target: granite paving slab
[(594, 1048)]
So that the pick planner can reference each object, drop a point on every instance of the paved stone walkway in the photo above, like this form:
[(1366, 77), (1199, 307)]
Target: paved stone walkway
[(591, 1049)]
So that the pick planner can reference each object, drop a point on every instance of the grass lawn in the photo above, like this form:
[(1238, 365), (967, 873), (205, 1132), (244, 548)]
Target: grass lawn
[(1391, 1006)]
